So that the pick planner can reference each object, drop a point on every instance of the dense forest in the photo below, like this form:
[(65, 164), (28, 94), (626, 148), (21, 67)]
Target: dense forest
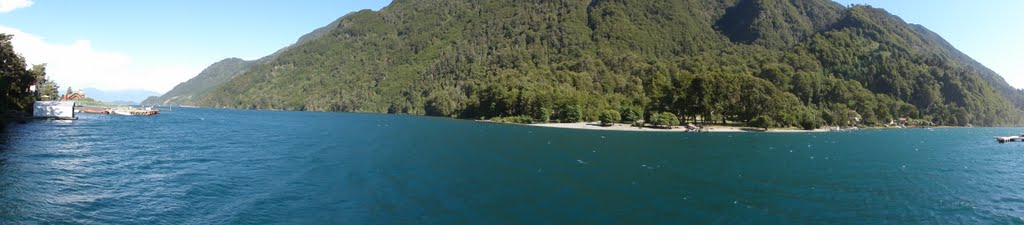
[(15, 80), (773, 63), (209, 78)]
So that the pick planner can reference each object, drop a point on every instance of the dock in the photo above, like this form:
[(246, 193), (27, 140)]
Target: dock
[(132, 111), (126, 111), (1004, 139)]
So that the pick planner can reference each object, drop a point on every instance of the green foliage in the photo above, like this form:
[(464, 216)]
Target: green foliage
[(15, 80), (569, 114), (47, 90), (763, 122), (610, 116), (810, 120), (211, 77), (919, 123), (223, 71), (798, 63), (631, 113), (664, 119), (543, 115), (93, 103), (513, 119)]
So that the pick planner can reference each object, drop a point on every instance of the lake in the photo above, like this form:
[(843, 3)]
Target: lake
[(215, 166)]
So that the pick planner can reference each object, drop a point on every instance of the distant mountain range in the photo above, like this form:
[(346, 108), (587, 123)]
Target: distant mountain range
[(120, 96), (782, 62)]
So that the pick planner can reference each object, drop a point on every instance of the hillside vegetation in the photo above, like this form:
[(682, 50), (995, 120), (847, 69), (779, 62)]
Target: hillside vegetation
[(223, 71), (790, 62)]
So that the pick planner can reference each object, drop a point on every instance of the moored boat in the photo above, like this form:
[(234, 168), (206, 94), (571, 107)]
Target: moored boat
[(95, 111), (129, 111)]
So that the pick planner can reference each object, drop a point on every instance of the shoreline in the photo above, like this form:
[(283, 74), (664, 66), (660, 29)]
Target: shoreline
[(627, 127)]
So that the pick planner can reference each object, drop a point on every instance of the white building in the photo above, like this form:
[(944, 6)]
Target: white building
[(54, 110)]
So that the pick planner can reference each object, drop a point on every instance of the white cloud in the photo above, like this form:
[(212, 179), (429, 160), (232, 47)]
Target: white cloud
[(79, 65), (11, 5)]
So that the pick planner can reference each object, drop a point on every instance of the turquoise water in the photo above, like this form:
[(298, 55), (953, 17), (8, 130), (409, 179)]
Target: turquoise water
[(209, 166)]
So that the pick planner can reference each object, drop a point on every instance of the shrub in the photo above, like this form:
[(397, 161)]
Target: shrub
[(610, 116), (762, 121), (513, 119), (631, 114), (543, 115), (664, 119), (570, 114), (808, 121)]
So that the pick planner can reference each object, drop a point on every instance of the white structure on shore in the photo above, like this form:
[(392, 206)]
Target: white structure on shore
[(54, 110)]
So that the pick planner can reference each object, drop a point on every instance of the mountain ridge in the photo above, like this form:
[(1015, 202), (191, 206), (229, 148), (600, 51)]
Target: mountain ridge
[(798, 62), (132, 96), (224, 70)]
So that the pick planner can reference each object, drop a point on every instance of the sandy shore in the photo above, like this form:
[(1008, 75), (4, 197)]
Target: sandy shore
[(626, 127)]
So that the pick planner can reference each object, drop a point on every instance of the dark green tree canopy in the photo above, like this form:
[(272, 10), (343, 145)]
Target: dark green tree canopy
[(16, 78)]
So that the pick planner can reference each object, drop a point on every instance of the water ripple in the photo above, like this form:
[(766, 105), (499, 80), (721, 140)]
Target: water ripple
[(208, 166)]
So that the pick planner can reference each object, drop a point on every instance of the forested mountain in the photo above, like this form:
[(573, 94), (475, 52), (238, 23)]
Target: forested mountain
[(211, 77), (791, 62), (222, 71)]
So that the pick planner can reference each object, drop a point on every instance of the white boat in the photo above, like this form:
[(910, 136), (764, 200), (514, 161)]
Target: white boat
[(121, 111), (129, 111)]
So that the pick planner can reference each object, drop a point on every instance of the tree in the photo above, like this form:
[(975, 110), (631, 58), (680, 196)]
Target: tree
[(46, 90), (631, 114), (610, 116), (664, 119), (543, 115), (809, 120), (15, 80), (570, 114), (762, 121)]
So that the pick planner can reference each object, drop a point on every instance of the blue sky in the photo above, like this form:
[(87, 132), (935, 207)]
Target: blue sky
[(154, 45)]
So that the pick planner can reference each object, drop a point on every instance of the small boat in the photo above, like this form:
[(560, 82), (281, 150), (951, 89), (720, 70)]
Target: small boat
[(96, 111), (1004, 139)]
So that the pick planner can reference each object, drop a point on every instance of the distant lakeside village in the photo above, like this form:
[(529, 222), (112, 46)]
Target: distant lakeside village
[(66, 106)]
